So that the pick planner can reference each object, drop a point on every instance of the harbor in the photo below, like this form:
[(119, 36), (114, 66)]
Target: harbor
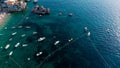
[(59, 34)]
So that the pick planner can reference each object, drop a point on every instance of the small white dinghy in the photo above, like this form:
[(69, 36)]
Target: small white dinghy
[(17, 44), (27, 17), (10, 39), (7, 46), (34, 32), (70, 14), (60, 14), (85, 29), (5, 28), (1, 47), (23, 35), (24, 45), (14, 33), (28, 58), (19, 26), (10, 53), (28, 27), (13, 27), (88, 34), (57, 42), (41, 39)]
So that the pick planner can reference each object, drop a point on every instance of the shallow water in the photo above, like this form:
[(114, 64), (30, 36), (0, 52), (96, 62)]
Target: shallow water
[(100, 50)]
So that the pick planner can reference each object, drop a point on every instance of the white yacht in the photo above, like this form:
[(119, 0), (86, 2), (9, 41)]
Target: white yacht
[(1, 47), (10, 53), (88, 34), (10, 39), (57, 42), (27, 17), (40, 15), (17, 44), (13, 27), (14, 33), (85, 29), (28, 27), (24, 45), (19, 26), (60, 14), (23, 35), (70, 14), (7, 46), (34, 32), (5, 28), (28, 58), (41, 39)]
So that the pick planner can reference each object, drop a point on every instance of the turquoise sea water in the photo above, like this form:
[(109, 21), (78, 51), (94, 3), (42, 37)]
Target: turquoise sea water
[(100, 50)]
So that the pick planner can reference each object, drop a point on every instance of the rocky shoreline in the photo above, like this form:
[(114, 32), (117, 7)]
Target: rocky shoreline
[(3, 17)]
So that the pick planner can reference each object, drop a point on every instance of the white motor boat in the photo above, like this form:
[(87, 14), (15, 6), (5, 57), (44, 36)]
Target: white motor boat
[(19, 26), (10, 53), (17, 44), (7, 46), (70, 14), (28, 58), (23, 35), (14, 33), (13, 27), (24, 45), (27, 17), (1, 47), (88, 34), (34, 32), (85, 29), (28, 27), (41, 39), (57, 42), (5, 28), (10, 39)]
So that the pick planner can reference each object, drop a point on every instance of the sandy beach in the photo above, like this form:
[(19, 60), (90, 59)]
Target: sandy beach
[(2, 17)]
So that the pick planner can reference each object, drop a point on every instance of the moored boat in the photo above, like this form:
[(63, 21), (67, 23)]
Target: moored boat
[(57, 42), (70, 14), (7, 46), (88, 34), (14, 33), (38, 54), (41, 39), (85, 29), (10, 53), (35, 1), (17, 44)]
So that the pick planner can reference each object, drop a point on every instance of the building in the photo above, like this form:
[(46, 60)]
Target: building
[(13, 5)]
